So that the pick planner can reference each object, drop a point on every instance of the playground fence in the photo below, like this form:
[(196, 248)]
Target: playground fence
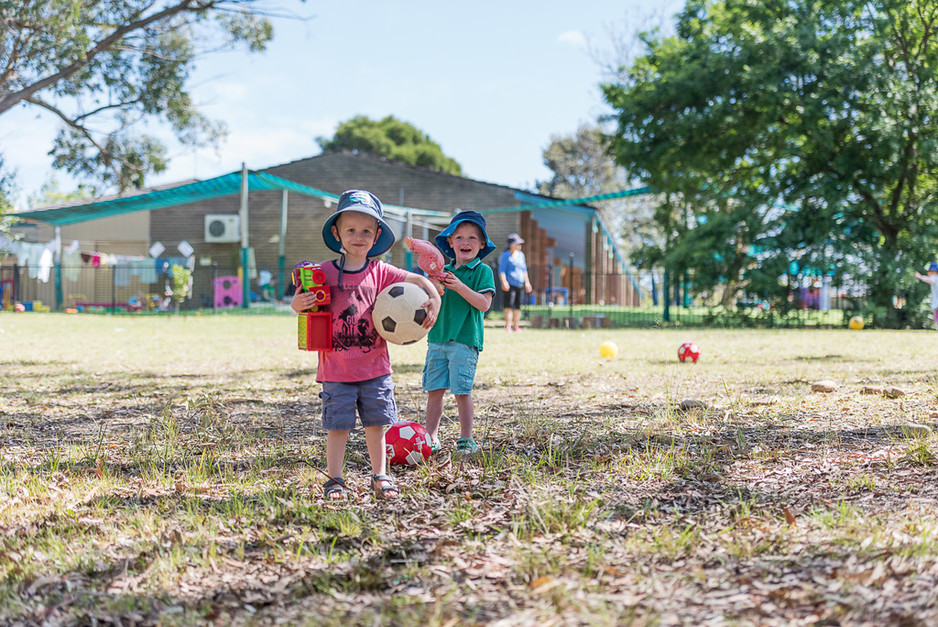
[(560, 299)]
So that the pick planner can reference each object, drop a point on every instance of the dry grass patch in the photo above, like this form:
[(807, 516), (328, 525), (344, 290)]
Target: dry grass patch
[(166, 471)]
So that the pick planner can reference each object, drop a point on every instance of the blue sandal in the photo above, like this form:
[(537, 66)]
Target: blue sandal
[(382, 491), (334, 490)]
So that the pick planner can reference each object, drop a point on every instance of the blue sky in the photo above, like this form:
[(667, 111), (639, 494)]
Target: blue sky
[(491, 82)]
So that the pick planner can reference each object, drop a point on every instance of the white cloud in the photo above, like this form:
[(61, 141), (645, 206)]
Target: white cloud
[(574, 37)]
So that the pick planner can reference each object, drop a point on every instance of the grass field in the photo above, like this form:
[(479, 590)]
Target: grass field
[(166, 471)]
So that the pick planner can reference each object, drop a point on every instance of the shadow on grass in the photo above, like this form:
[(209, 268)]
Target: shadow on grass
[(293, 552)]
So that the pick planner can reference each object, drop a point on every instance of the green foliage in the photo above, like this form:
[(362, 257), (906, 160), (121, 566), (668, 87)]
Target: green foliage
[(51, 194), (582, 166), (107, 68), (6, 207), (182, 283), (806, 126), (392, 139)]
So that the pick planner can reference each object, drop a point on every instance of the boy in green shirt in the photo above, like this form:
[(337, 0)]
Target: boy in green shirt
[(454, 342)]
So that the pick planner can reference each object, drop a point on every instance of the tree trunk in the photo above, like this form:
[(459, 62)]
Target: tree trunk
[(884, 284)]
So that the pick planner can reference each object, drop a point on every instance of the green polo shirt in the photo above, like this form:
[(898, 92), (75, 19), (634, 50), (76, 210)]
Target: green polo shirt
[(459, 321)]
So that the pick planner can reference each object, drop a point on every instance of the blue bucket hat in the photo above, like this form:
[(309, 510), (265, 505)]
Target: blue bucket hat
[(933, 267), (363, 202), (464, 216)]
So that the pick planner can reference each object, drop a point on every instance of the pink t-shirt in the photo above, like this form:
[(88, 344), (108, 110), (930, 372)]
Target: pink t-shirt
[(358, 352)]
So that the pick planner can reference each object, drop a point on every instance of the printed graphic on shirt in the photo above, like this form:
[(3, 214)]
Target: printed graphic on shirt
[(353, 327)]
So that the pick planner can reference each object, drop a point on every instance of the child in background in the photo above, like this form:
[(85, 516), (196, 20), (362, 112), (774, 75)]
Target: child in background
[(356, 373), (454, 343), (265, 282), (932, 279)]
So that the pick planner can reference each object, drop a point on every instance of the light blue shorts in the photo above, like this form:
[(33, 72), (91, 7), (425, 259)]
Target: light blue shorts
[(450, 366), (372, 399)]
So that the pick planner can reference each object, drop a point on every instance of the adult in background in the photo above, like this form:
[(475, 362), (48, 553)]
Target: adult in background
[(513, 273)]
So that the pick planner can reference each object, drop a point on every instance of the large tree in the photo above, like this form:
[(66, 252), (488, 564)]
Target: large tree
[(806, 125), (6, 207), (581, 166), (392, 139), (104, 68)]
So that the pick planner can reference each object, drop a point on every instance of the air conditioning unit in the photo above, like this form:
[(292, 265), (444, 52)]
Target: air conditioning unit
[(222, 228)]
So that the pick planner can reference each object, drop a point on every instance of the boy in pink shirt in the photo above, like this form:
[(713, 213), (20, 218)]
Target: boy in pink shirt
[(356, 373)]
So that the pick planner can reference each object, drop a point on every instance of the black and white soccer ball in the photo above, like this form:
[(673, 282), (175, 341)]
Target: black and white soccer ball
[(398, 316)]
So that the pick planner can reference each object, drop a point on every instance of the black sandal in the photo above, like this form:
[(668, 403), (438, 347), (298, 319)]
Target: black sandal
[(381, 492), (337, 487)]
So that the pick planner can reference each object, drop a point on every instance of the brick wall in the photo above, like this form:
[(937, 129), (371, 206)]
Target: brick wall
[(394, 184)]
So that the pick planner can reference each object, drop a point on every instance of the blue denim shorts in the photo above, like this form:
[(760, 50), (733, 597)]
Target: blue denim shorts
[(372, 399), (450, 366)]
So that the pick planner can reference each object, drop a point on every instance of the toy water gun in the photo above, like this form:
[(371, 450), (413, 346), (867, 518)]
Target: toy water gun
[(310, 277), (314, 331), (429, 259)]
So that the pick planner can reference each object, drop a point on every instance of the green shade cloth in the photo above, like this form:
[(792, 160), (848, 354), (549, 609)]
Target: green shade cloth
[(225, 185)]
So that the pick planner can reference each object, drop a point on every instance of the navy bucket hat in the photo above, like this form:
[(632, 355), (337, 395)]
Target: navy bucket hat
[(933, 267), (464, 216), (363, 202)]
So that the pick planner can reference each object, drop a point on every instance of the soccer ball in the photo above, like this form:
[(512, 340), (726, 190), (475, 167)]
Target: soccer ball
[(856, 323), (407, 443), (688, 350), (398, 316)]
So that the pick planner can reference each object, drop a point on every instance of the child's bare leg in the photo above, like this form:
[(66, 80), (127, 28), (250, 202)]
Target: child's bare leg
[(517, 314), (335, 452), (377, 453), (507, 318), (466, 411), (434, 412)]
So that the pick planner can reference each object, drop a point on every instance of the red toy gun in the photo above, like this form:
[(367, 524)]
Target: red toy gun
[(314, 332)]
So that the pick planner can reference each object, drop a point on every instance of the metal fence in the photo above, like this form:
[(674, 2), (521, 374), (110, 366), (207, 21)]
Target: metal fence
[(564, 300), (127, 288), (571, 300)]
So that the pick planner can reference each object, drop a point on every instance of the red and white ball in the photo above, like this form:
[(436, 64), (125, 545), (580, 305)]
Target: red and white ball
[(407, 443), (688, 350)]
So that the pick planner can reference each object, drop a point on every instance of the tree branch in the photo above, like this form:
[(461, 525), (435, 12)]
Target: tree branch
[(109, 157), (9, 100), (117, 105)]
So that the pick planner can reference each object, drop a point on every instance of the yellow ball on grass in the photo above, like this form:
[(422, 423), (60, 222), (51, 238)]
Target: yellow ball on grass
[(609, 350)]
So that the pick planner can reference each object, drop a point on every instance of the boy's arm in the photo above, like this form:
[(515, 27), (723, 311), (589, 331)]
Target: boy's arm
[(433, 303), (480, 300), (922, 278)]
